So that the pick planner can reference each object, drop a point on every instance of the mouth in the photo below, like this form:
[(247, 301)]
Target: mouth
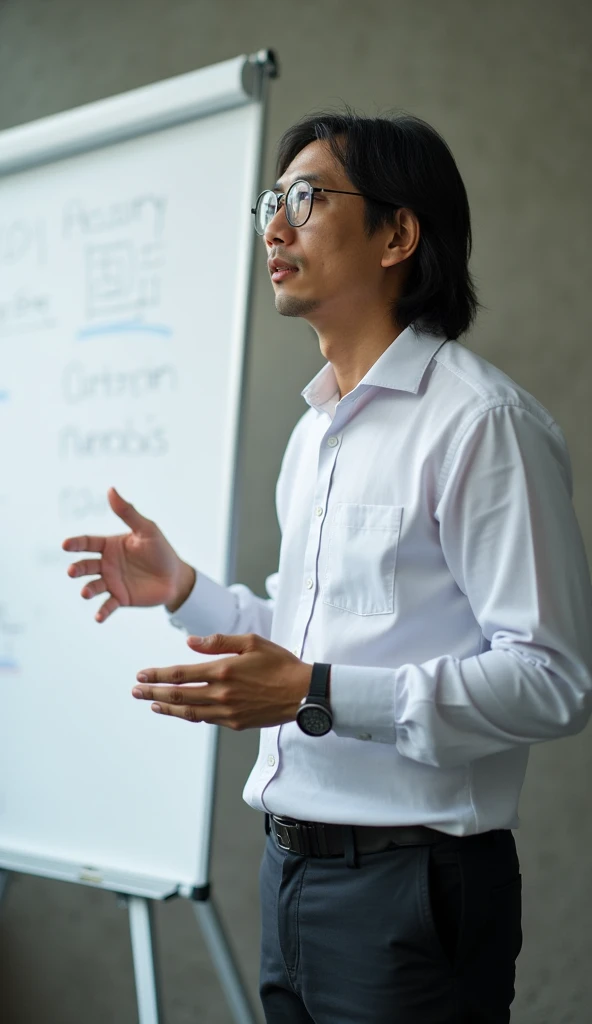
[(281, 270), (283, 273)]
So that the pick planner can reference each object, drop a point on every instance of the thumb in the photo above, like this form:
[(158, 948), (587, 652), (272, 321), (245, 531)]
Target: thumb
[(221, 643), (131, 517)]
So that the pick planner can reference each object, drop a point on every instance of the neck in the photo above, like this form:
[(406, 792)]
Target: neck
[(352, 347)]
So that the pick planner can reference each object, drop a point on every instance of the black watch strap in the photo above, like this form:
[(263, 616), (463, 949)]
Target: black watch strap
[(319, 682)]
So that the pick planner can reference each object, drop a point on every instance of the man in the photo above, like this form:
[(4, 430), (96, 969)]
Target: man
[(431, 609)]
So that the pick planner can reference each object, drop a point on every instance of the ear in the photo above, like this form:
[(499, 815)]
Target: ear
[(402, 238)]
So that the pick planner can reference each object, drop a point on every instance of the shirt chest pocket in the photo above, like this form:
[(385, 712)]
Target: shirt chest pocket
[(361, 558)]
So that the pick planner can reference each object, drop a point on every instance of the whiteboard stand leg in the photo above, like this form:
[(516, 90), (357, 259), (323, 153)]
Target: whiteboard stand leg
[(141, 916), (4, 876), (230, 979)]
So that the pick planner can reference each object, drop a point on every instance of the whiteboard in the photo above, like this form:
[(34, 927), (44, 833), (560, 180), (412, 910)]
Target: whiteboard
[(125, 256)]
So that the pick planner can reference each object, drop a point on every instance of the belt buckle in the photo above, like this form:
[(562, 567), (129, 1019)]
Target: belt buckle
[(282, 835), (292, 837)]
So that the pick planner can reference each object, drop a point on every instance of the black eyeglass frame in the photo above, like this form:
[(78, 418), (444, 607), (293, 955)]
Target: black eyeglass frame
[(282, 196)]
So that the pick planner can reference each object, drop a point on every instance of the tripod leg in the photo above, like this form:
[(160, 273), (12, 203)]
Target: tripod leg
[(141, 929), (230, 979)]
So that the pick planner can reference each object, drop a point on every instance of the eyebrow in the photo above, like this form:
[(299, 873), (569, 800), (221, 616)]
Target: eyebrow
[(311, 178)]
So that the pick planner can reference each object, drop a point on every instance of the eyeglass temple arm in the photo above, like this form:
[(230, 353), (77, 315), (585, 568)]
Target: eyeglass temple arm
[(337, 191)]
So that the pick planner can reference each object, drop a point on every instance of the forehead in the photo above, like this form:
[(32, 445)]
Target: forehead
[(315, 161)]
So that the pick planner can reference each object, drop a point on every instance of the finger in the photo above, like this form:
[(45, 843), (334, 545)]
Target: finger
[(85, 543), (202, 695), (205, 673), (93, 588), (211, 714), (186, 712), (131, 517), (87, 567), (107, 609), (224, 643)]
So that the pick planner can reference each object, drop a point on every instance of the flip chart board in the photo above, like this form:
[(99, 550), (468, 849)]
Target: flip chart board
[(126, 246)]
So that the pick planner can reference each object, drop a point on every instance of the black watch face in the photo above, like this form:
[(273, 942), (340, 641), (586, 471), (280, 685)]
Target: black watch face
[(314, 720)]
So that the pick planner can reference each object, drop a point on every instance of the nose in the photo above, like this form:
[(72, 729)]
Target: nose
[(278, 231)]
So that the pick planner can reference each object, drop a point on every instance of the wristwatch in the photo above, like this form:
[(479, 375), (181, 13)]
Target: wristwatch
[(314, 714)]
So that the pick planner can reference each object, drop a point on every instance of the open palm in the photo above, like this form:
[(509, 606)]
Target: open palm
[(137, 568)]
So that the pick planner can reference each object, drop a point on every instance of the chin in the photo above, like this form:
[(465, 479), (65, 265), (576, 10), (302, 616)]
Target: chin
[(291, 305)]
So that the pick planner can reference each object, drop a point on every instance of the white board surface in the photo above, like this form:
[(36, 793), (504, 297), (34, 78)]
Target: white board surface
[(124, 274)]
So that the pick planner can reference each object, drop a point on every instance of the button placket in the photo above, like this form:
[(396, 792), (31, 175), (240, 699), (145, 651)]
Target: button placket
[(311, 555)]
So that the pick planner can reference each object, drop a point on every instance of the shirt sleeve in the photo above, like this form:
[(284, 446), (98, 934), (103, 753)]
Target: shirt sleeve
[(212, 608), (511, 540)]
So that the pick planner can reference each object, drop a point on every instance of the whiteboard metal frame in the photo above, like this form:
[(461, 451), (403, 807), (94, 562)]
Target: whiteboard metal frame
[(152, 108), (92, 875)]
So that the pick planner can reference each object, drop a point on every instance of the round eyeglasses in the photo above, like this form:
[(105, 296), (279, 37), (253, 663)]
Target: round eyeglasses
[(298, 200)]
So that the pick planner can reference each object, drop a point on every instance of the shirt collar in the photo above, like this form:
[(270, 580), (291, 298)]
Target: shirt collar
[(400, 367)]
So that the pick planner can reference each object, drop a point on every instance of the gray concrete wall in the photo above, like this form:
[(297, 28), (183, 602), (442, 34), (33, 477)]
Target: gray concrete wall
[(508, 85)]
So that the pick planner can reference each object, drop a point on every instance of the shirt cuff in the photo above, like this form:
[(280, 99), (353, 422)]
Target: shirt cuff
[(363, 703), (210, 608)]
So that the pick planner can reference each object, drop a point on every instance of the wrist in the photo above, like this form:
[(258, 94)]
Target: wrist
[(314, 714), (186, 580)]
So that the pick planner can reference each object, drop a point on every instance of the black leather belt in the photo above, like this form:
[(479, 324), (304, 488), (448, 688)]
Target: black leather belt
[(315, 839)]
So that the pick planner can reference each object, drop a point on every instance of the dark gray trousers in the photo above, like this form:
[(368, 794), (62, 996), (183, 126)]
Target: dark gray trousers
[(415, 935)]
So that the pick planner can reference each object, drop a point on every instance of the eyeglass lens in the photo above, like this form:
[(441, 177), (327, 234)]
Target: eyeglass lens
[(298, 206), (298, 203), (265, 211)]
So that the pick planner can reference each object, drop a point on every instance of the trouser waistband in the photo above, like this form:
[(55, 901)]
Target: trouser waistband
[(318, 839)]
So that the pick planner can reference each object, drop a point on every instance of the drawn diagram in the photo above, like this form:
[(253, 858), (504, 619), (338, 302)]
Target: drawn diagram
[(9, 631), (123, 277)]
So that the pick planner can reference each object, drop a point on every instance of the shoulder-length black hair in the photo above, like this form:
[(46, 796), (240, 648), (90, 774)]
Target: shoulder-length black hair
[(399, 161)]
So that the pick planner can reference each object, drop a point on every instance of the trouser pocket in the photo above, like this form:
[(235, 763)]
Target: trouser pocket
[(445, 900)]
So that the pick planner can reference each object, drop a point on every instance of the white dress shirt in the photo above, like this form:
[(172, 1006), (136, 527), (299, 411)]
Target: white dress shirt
[(430, 552)]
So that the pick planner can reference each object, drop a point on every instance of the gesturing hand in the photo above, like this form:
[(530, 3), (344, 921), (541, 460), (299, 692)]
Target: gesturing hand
[(261, 684), (138, 568)]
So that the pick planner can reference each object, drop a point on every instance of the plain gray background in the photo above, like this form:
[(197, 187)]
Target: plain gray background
[(508, 85)]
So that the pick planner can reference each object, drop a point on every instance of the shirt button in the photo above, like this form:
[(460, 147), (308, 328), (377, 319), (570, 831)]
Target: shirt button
[(319, 510), (332, 441), (271, 760), (364, 736), (309, 584)]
